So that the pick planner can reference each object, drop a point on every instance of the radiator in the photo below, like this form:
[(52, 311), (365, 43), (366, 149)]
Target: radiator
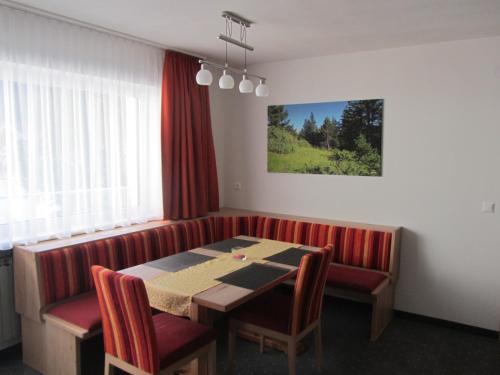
[(10, 332)]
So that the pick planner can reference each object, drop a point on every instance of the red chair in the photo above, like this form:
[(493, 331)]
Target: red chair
[(140, 343), (287, 318)]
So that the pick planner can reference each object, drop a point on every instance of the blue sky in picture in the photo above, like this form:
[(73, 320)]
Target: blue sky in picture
[(297, 113)]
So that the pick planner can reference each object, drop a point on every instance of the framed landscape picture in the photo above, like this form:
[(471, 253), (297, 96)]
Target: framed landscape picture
[(335, 138)]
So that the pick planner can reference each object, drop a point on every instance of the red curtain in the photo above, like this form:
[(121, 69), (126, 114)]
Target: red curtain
[(190, 187)]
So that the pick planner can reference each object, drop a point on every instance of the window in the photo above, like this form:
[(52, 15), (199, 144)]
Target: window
[(79, 130)]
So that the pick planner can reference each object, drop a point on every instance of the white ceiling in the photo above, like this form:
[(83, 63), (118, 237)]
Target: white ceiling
[(289, 29)]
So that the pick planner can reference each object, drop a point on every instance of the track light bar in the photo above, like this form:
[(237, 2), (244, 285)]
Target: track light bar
[(234, 70), (236, 18), (226, 81), (235, 42)]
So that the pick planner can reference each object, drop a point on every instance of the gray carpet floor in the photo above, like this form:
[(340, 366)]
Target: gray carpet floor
[(407, 347)]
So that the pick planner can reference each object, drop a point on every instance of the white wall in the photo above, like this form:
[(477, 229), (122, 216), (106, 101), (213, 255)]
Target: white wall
[(441, 159)]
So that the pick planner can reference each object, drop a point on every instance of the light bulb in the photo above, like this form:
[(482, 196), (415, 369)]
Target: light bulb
[(262, 89), (246, 86), (204, 77), (226, 81)]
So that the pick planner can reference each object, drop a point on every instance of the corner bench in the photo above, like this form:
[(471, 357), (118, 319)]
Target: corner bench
[(58, 305)]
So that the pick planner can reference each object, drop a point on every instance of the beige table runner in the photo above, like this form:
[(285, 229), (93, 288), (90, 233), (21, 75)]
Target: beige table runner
[(173, 292)]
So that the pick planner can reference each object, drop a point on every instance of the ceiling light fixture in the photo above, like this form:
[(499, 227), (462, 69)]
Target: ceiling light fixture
[(262, 89), (246, 86), (226, 81), (204, 76)]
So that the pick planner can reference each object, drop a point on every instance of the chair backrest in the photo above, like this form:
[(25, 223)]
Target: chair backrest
[(127, 322), (317, 298), (309, 289)]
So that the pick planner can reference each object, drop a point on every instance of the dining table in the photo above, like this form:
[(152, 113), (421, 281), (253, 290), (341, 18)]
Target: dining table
[(206, 282)]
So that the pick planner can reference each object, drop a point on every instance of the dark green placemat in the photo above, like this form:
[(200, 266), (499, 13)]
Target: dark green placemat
[(291, 256), (230, 244), (253, 276), (179, 261)]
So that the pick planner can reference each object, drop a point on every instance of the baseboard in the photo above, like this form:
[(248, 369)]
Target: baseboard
[(436, 321), (446, 323)]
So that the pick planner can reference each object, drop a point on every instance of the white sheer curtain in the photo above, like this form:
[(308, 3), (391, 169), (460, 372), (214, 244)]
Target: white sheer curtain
[(79, 129)]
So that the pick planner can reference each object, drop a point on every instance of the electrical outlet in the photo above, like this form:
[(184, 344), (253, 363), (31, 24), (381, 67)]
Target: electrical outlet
[(488, 207), (237, 186)]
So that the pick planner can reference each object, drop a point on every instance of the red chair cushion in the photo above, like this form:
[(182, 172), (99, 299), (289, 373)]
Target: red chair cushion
[(178, 337), (82, 312), (270, 310), (364, 281)]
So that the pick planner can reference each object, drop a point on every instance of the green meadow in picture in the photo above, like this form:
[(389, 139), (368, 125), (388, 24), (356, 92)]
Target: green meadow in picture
[(335, 138)]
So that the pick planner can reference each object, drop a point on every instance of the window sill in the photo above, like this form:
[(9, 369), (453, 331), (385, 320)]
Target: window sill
[(89, 237)]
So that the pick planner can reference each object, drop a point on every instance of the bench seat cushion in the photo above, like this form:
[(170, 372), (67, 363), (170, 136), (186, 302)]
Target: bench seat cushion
[(82, 312), (364, 281), (177, 337)]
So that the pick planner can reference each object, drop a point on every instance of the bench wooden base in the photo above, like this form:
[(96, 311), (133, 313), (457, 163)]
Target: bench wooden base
[(52, 347), (382, 309), (63, 345), (34, 344), (63, 354), (381, 299)]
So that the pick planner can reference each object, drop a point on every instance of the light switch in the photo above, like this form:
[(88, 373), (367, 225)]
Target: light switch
[(488, 207), (237, 186)]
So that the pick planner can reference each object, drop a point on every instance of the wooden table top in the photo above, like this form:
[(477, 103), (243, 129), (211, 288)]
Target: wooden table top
[(222, 297)]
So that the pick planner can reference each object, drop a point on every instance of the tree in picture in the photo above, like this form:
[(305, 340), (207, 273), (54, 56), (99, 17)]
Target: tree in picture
[(341, 138)]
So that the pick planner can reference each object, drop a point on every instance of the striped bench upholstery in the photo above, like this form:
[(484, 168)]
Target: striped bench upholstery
[(65, 272), (352, 246)]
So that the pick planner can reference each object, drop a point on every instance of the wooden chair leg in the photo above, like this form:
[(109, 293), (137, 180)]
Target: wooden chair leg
[(231, 349), (292, 356), (319, 346), (261, 344), (212, 359), (382, 311), (109, 369)]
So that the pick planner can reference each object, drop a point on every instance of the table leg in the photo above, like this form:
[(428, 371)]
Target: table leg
[(200, 314)]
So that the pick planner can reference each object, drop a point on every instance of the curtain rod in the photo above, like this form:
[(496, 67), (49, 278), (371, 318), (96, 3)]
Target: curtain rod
[(44, 13)]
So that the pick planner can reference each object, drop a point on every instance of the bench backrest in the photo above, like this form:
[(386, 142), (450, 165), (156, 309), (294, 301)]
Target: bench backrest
[(65, 272), (353, 246)]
